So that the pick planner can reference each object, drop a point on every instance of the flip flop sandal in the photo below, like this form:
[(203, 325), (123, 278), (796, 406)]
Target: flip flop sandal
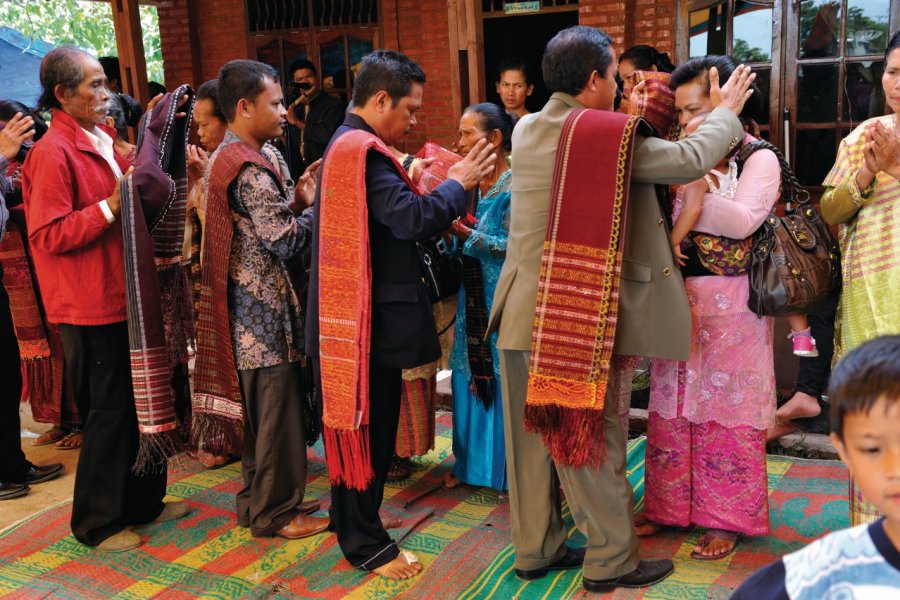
[(716, 534), (410, 560), (75, 437), (51, 436)]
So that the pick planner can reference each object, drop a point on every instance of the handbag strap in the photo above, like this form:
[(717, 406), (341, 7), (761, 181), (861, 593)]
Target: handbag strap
[(791, 191)]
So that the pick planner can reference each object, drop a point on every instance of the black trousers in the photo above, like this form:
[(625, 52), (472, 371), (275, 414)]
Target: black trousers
[(354, 514), (274, 456), (108, 495), (813, 373), (13, 463)]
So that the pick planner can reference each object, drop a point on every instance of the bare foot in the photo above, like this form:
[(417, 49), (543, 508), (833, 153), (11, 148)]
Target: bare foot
[(780, 429), (645, 527), (451, 481), (406, 565), (390, 522), (800, 406), (715, 544), (72, 441)]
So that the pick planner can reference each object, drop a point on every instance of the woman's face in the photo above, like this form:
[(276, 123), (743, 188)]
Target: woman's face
[(513, 89), (691, 100), (891, 80), (469, 132), (210, 128)]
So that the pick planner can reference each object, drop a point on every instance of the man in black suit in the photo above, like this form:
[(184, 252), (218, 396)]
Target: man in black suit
[(386, 97), (313, 116)]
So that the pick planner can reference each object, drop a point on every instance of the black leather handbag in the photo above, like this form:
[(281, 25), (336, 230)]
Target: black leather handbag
[(441, 267), (795, 259)]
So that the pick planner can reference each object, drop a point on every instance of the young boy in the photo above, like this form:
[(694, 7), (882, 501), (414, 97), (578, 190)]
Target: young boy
[(863, 561)]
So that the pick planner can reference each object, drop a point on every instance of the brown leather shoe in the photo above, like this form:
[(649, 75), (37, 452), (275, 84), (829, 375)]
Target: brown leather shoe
[(308, 507), (303, 526)]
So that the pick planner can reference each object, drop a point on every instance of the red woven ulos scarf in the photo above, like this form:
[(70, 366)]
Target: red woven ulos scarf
[(345, 298), (578, 293), (217, 402)]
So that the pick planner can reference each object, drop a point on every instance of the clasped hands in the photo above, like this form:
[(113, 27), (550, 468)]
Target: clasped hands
[(881, 153)]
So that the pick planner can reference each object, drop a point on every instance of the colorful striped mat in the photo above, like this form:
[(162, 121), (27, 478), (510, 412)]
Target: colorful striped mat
[(462, 537)]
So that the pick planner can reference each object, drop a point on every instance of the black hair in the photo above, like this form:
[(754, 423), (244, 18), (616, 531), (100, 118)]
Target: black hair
[(865, 375), (155, 88), (491, 117), (572, 55), (514, 64), (111, 68), (9, 108), (209, 90), (242, 80), (61, 66), (125, 111), (893, 44), (645, 57), (697, 69), (301, 64), (389, 71)]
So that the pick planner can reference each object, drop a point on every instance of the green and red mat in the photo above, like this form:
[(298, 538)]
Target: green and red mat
[(461, 536)]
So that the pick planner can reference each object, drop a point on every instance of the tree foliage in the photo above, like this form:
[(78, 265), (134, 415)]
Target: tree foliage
[(87, 25)]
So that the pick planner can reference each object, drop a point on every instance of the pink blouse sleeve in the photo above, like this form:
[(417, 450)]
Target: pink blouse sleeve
[(757, 191)]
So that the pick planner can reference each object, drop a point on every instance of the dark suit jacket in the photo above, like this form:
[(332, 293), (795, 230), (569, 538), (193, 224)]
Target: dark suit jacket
[(403, 331), (326, 113)]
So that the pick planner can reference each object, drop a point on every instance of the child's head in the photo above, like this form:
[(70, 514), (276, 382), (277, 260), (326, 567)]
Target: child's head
[(692, 125), (865, 420)]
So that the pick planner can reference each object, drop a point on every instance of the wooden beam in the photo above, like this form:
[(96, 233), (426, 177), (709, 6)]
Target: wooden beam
[(129, 40)]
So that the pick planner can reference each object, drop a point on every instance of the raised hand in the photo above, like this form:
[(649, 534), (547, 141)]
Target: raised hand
[(885, 149), (477, 164), (18, 130), (305, 188), (197, 159), (736, 90)]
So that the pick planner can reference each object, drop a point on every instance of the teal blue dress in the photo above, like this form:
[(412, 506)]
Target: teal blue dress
[(478, 443)]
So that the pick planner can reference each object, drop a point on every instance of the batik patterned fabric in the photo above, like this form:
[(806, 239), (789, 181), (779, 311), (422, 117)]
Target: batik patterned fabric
[(870, 259), (153, 215), (705, 474), (577, 304)]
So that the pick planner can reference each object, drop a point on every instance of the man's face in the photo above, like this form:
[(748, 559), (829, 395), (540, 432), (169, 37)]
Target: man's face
[(399, 119), (210, 128), (306, 80), (87, 103), (267, 112), (513, 89)]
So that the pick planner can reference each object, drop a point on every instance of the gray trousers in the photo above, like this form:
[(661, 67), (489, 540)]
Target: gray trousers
[(274, 457), (600, 500)]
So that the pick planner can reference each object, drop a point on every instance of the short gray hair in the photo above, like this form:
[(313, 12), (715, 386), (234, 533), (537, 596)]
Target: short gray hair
[(60, 67)]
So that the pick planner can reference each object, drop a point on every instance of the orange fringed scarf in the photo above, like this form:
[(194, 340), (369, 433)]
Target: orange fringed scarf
[(345, 321), (578, 294)]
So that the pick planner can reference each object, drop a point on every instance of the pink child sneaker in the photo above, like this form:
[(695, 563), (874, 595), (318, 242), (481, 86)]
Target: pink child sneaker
[(804, 344)]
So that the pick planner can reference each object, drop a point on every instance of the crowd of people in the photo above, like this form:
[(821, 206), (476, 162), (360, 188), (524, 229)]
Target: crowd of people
[(295, 278)]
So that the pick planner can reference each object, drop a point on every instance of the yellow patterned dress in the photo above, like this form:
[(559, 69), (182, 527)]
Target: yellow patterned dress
[(870, 246)]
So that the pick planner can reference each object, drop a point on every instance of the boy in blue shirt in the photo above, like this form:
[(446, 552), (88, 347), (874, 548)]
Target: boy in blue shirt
[(863, 561)]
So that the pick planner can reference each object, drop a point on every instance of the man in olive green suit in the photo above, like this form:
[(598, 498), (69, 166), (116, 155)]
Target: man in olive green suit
[(654, 319)]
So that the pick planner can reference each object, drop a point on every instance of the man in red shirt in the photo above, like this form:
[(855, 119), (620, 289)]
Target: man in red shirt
[(71, 192)]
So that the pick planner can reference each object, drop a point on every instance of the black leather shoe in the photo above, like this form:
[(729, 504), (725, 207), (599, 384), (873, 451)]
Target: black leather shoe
[(647, 573), (573, 559), (36, 474), (12, 490)]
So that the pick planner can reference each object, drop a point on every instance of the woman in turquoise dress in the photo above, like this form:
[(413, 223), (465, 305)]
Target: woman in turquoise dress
[(478, 444)]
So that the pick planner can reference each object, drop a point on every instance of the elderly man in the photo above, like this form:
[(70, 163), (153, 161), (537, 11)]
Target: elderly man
[(71, 193), (560, 293), (313, 116), (369, 313)]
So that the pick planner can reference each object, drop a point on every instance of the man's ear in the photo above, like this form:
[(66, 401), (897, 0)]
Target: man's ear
[(382, 100), (529, 90), (243, 108), (62, 92)]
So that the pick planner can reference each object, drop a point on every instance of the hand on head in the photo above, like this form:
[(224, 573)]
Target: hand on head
[(478, 164), (736, 91)]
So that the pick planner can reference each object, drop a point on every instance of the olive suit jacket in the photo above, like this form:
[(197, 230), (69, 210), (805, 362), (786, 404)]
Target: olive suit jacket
[(654, 316)]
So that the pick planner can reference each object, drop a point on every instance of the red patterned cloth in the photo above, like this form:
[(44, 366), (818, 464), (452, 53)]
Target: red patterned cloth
[(655, 103), (577, 307)]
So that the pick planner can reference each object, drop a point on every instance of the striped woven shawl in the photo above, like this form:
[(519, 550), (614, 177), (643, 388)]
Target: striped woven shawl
[(218, 414), (578, 293), (153, 214), (345, 296)]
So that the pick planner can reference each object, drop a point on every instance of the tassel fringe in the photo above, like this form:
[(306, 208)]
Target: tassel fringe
[(154, 452), (216, 434), (348, 456), (574, 437)]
